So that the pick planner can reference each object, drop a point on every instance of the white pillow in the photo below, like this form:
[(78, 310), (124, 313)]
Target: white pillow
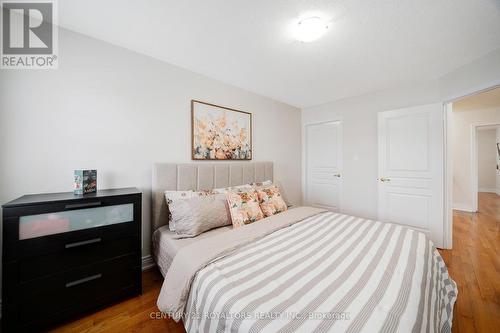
[(198, 214), (175, 195), (223, 190), (264, 183), (170, 196)]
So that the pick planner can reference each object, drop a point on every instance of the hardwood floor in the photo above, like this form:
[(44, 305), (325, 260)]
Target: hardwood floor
[(474, 263)]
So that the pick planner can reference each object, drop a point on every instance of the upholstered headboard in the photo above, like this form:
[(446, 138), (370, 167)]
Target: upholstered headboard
[(201, 176)]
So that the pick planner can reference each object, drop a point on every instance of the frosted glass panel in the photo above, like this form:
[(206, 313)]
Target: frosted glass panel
[(54, 223)]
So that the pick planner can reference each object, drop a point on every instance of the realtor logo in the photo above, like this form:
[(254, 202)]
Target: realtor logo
[(29, 35)]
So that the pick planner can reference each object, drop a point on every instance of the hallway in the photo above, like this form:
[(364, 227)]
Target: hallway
[(474, 263)]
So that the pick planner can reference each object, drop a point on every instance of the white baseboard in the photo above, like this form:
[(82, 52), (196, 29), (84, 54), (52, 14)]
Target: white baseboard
[(462, 207), (488, 189), (147, 262)]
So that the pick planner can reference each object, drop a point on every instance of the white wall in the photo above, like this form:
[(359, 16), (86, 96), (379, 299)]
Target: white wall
[(359, 117), (487, 160), (462, 122), (118, 112)]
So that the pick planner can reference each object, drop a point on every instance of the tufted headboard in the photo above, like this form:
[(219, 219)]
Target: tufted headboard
[(201, 176)]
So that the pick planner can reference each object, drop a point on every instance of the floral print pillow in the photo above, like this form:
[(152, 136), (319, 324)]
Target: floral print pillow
[(270, 200), (244, 207)]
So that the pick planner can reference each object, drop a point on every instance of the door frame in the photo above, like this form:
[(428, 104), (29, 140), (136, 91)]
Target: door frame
[(305, 153), (448, 158)]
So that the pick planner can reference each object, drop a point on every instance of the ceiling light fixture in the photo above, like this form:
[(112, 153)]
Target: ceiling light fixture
[(310, 29)]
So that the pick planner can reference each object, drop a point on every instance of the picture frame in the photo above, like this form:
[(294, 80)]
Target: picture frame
[(220, 133)]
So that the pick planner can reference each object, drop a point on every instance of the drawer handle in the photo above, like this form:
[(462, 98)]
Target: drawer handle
[(83, 205), (84, 280), (77, 244)]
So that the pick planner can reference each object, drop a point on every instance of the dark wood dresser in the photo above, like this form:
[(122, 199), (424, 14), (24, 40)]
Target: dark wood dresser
[(65, 254)]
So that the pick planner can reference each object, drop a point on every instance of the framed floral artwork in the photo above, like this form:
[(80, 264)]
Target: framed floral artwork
[(220, 133)]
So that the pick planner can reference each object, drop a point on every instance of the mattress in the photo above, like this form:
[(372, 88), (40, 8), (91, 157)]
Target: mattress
[(324, 273), (166, 245)]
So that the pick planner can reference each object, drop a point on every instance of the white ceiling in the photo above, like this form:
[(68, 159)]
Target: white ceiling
[(371, 45)]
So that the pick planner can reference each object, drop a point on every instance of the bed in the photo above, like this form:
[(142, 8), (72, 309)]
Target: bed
[(166, 245), (303, 270)]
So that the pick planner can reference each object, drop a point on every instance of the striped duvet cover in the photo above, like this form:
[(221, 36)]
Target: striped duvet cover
[(328, 273)]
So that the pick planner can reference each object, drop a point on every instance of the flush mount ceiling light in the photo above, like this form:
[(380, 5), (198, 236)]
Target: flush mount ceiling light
[(310, 29)]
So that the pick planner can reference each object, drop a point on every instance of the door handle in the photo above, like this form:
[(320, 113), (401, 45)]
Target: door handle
[(337, 175), (384, 179)]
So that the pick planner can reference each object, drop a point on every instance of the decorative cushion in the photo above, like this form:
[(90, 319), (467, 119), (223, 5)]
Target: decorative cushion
[(270, 200), (267, 183), (198, 214), (244, 207), (170, 196)]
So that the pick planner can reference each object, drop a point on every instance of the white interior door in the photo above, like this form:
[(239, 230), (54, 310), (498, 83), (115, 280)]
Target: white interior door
[(411, 168), (323, 165)]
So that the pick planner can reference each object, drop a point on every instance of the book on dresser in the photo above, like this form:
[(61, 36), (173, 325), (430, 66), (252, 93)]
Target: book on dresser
[(64, 255)]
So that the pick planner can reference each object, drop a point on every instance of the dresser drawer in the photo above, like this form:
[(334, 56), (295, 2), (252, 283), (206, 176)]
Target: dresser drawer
[(40, 220), (75, 254), (79, 288), (53, 244), (38, 225)]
